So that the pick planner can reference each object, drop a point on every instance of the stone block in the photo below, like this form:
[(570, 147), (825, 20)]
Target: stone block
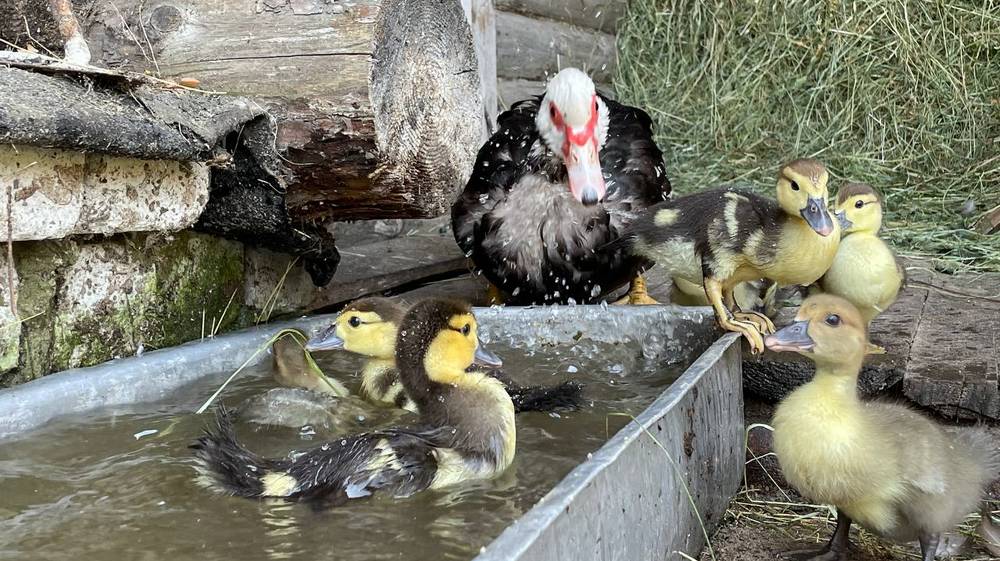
[(60, 193)]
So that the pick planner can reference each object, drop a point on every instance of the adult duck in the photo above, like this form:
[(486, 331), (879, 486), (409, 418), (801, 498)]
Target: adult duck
[(561, 178)]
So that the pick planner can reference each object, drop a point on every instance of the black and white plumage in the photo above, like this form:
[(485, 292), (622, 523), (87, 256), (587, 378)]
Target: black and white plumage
[(466, 428), (538, 213)]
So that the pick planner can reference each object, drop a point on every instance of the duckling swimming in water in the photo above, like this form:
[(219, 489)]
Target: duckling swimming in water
[(293, 368), (865, 270), (368, 327), (721, 237), (884, 466), (467, 427)]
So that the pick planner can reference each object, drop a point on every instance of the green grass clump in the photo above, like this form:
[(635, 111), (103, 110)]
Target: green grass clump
[(901, 94)]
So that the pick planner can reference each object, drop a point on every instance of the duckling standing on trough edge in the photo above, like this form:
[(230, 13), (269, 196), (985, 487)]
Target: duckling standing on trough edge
[(865, 270), (884, 466), (467, 427), (562, 177), (721, 237), (368, 327)]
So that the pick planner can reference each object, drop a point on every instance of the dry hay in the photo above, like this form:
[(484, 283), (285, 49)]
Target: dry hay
[(902, 94)]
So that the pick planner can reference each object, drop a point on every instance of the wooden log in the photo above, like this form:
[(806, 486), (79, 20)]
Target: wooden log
[(602, 15), (534, 49), (482, 19), (511, 91), (376, 104)]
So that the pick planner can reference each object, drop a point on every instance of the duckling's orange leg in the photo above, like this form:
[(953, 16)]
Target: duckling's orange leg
[(637, 294), (834, 550), (763, 323), (726, 319)]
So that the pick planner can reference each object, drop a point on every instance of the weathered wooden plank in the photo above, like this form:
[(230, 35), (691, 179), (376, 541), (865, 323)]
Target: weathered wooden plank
[(482, 20), (511, 91), (376, 104), (533, 49), (592, 14), (953, 364)]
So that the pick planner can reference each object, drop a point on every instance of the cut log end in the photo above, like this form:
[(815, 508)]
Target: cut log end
[(427, 117)]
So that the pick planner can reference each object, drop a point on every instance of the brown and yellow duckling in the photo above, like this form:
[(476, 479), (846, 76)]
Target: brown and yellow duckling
[(294, 369), (368, 327), (722, 237), (884, 466), (466, 427), (865, 270)]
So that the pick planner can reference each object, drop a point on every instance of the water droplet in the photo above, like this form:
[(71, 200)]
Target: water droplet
[(572, 369)]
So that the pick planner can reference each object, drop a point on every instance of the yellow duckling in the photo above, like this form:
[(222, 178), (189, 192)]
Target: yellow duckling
[(368, 327), (722, 237), (865, 270), (884, 466), (466, 427)]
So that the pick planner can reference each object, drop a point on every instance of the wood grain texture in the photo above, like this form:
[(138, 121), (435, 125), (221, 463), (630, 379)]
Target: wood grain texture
[(375, 105), (534, 49), (482, 20), (602, 15), (510, 91)]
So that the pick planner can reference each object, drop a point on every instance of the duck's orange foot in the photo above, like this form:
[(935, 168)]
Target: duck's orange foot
[(763, 323), (637, 294)]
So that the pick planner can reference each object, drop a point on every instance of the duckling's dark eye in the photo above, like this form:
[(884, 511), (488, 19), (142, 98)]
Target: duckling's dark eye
[(466, 329), (354, 321), (833, 320), (795, 186), (859, 204)]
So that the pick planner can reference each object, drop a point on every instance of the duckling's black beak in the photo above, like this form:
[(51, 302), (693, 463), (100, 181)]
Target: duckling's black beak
[(327, 340), (794, 337), (485, 358), (818, 218), (845, 224)]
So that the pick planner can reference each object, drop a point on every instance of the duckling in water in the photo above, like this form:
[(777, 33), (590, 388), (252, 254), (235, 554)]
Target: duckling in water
[(294, 369), (467, 427), (721, 237), (884, 466), (368, 327), (865, 270)]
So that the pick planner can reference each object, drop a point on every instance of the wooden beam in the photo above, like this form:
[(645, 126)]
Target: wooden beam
[(534, 49), (602, 15), (482, 20), (511, 91), (376, 106)]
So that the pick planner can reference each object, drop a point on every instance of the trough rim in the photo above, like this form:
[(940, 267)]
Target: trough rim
[(518, 537)]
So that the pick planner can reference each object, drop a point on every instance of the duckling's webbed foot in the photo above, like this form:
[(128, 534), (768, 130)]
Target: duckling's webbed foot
[(728, 321), (834, 550), (637, 294), (763, 323)]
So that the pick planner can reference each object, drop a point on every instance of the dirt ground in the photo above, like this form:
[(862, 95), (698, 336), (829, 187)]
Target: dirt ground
[(769, 518)]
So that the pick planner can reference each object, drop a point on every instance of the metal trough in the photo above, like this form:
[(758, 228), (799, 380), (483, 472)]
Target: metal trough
[(650, 492)]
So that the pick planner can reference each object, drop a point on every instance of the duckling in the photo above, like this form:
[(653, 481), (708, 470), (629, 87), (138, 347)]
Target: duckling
[(884, 466), (368, 327), (466, 427), (721, 237), (293, 368), (865, 270)]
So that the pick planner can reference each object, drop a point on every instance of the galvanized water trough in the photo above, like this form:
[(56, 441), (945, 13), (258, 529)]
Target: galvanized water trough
[(654, 490)]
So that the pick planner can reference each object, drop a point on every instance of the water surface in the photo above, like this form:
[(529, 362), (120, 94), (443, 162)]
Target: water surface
[(106, 487)]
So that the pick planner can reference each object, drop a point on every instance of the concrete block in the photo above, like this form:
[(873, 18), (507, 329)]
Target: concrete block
[(60, 193)]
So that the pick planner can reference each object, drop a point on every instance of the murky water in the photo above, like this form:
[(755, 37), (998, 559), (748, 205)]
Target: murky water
[(107, 487)]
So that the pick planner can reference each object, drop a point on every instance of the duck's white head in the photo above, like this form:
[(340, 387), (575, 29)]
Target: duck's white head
[(573, 122)]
